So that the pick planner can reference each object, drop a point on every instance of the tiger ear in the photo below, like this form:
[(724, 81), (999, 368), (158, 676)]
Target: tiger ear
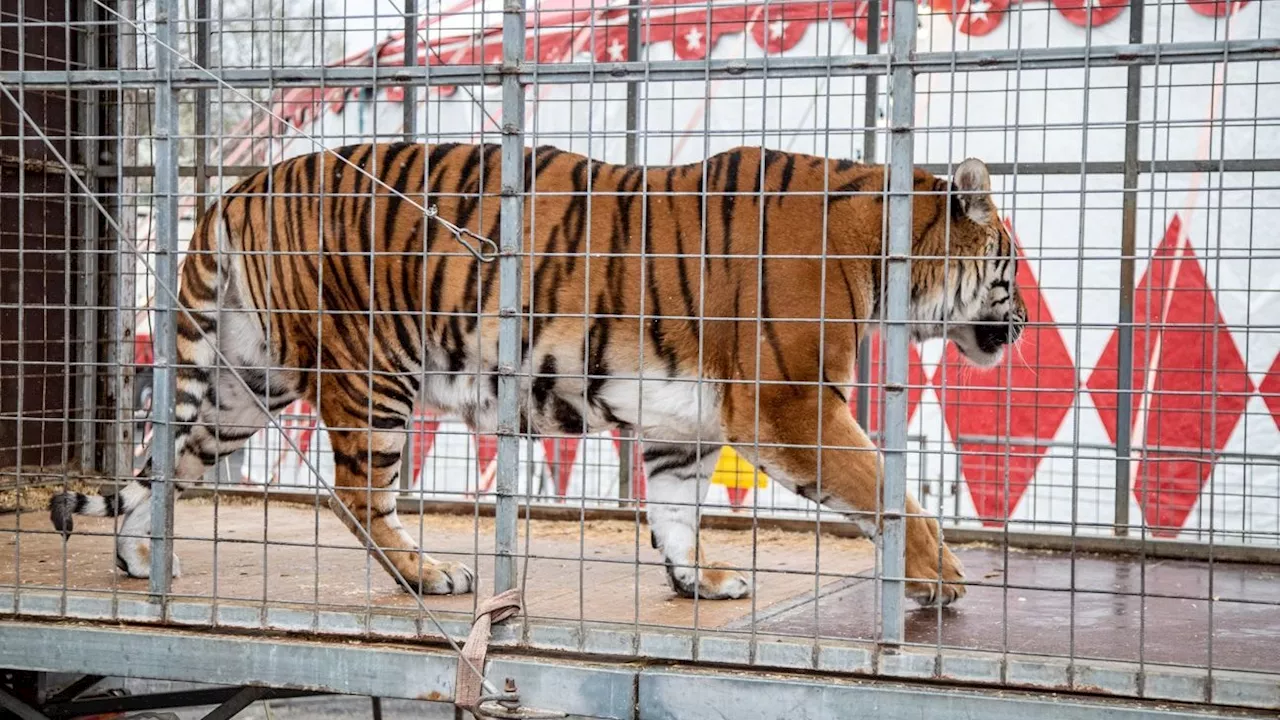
[(972, 185)]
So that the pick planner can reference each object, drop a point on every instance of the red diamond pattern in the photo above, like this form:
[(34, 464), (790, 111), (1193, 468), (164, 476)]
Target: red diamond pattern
[(1184, 404), (1271, 390), (424, 438), (1021, 401), (561, 453), (639, 485), (486, 460), (916, 381)]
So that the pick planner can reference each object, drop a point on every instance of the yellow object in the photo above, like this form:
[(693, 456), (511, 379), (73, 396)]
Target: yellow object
[(733, 471)]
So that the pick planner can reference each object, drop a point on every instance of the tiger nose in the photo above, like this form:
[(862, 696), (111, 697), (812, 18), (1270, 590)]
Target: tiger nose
[(992, 334)]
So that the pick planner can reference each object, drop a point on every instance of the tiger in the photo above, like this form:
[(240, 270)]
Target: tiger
[(715, 303)]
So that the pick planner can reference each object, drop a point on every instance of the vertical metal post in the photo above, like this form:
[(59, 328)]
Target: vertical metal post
[(122, 264), (410, 101), (633, 88), (166, 225), (410, 130), (1128, 247), (220, 470), (898, 257), (202, 108), (870, 118), (509, 268), (87, 352), (626, 444)]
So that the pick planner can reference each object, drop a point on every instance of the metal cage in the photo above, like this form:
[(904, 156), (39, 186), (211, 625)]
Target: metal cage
[(1112, 485)]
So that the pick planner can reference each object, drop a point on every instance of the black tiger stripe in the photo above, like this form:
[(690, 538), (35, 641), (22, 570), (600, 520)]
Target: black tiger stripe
[(657, 321), (729, 188), (682, 260), (662, 458), (488, 175), (490, 272), (188, 330), (812, 494), (396, 155), (201, 292), (544, 380)]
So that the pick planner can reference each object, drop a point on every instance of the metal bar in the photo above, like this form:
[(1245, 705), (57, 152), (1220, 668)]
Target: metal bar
[(626, 443), (897, 315), (633, 87), (1128, 247), (677, 70), (156, 701), (870, 119), (88, 300), (1021, 168), (509, 267), (20, 709), (417, 672), (409, 110), (202, 174), (120, 266), (202, 22), (678, 694), (167, 130), (232, 660), (243, 698), (410, 101), (675, 690), (77, 688)]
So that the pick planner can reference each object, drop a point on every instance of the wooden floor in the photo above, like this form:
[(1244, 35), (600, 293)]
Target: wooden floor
[(224, 556)]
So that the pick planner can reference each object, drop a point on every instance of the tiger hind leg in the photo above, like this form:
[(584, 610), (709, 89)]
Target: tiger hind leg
[(217, 409), (366, 471), (678, 477)]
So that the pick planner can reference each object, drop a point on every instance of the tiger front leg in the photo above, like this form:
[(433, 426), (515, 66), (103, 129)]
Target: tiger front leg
[(850, 478), (133, 543), (367, 465), (679, 476)]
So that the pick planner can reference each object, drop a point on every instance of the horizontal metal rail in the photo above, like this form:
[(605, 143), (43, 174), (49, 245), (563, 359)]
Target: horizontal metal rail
[(622, 692), (688, 70), (998, 168)]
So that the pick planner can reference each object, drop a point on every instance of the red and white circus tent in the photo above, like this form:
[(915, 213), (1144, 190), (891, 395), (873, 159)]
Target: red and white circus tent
[(993, 446)]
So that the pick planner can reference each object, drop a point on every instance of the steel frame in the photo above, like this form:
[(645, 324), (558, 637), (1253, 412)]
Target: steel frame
[(677, 70), (674, 689), (230, 701), (579, 656)]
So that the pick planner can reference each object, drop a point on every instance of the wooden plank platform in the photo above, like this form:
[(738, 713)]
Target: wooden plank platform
[(1084, 606), (224, 557)]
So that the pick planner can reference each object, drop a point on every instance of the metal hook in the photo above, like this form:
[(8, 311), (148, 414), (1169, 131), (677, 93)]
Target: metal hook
[(487, 250), (506, 706)]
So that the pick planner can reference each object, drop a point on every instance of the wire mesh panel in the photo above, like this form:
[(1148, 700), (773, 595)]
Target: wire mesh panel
[(914, 340)]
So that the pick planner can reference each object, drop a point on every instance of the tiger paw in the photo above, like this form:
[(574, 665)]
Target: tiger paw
[(925, 584), (715, 581), (446, 578), (140, 567)]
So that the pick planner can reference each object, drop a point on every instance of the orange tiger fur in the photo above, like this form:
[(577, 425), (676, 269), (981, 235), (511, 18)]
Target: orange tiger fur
[(352, 296)]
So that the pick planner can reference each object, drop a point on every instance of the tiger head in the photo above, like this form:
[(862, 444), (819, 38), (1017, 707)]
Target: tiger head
[(979, 307)]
